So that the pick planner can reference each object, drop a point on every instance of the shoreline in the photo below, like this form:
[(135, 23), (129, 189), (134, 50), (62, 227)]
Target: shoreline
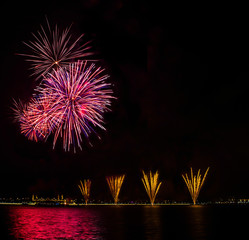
[(95, 204), (119, 204)]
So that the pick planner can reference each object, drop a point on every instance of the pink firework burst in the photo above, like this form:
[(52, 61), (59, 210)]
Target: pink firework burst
[(34, 118), (79, 97), (55, 49)]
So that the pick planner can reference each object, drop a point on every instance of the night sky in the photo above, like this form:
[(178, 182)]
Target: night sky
[(180, 75)]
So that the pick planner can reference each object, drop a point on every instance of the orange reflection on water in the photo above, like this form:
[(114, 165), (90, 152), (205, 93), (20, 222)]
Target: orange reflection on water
[(55, 223), (152, 222), (198, 221)]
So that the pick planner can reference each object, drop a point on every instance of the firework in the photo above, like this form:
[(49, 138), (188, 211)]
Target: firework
[(69, 103), (34, 118), (85, 189), (115, 183), (53, 49), (72, 97), (151, 185), (195, 183), (79, 97)]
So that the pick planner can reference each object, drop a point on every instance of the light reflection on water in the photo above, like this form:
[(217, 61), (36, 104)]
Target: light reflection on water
[(152, 222), (55, 223), (198, 221), (124, 222)]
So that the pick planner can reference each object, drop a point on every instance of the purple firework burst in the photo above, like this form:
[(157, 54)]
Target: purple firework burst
[(79, 96)]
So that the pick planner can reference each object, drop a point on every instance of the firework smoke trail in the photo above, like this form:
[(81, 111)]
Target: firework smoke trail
[(79, 96), (54, 49), (195, 183), (151, 185)]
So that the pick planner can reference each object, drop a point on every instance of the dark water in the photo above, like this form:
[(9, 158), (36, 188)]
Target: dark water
[(124, 222)]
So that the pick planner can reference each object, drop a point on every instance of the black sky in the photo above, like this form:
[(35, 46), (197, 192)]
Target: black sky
[(180, 74)]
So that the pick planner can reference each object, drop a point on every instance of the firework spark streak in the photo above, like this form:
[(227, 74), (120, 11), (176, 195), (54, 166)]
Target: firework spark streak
[(85, 189), (151, 185), (115, 183), (33, 118), (195, 183), (69, 103), (55, 49), (80, 97)]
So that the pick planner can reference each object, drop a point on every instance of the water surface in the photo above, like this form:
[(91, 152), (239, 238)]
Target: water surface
[(124, 222)]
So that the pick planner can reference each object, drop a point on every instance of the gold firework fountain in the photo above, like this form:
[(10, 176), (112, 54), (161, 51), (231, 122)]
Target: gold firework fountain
[(115, 183), (85, 189), (194, 183), (151, 184)]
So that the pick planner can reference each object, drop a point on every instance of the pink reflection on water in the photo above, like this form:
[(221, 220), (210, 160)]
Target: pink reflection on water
[(55, 223)]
